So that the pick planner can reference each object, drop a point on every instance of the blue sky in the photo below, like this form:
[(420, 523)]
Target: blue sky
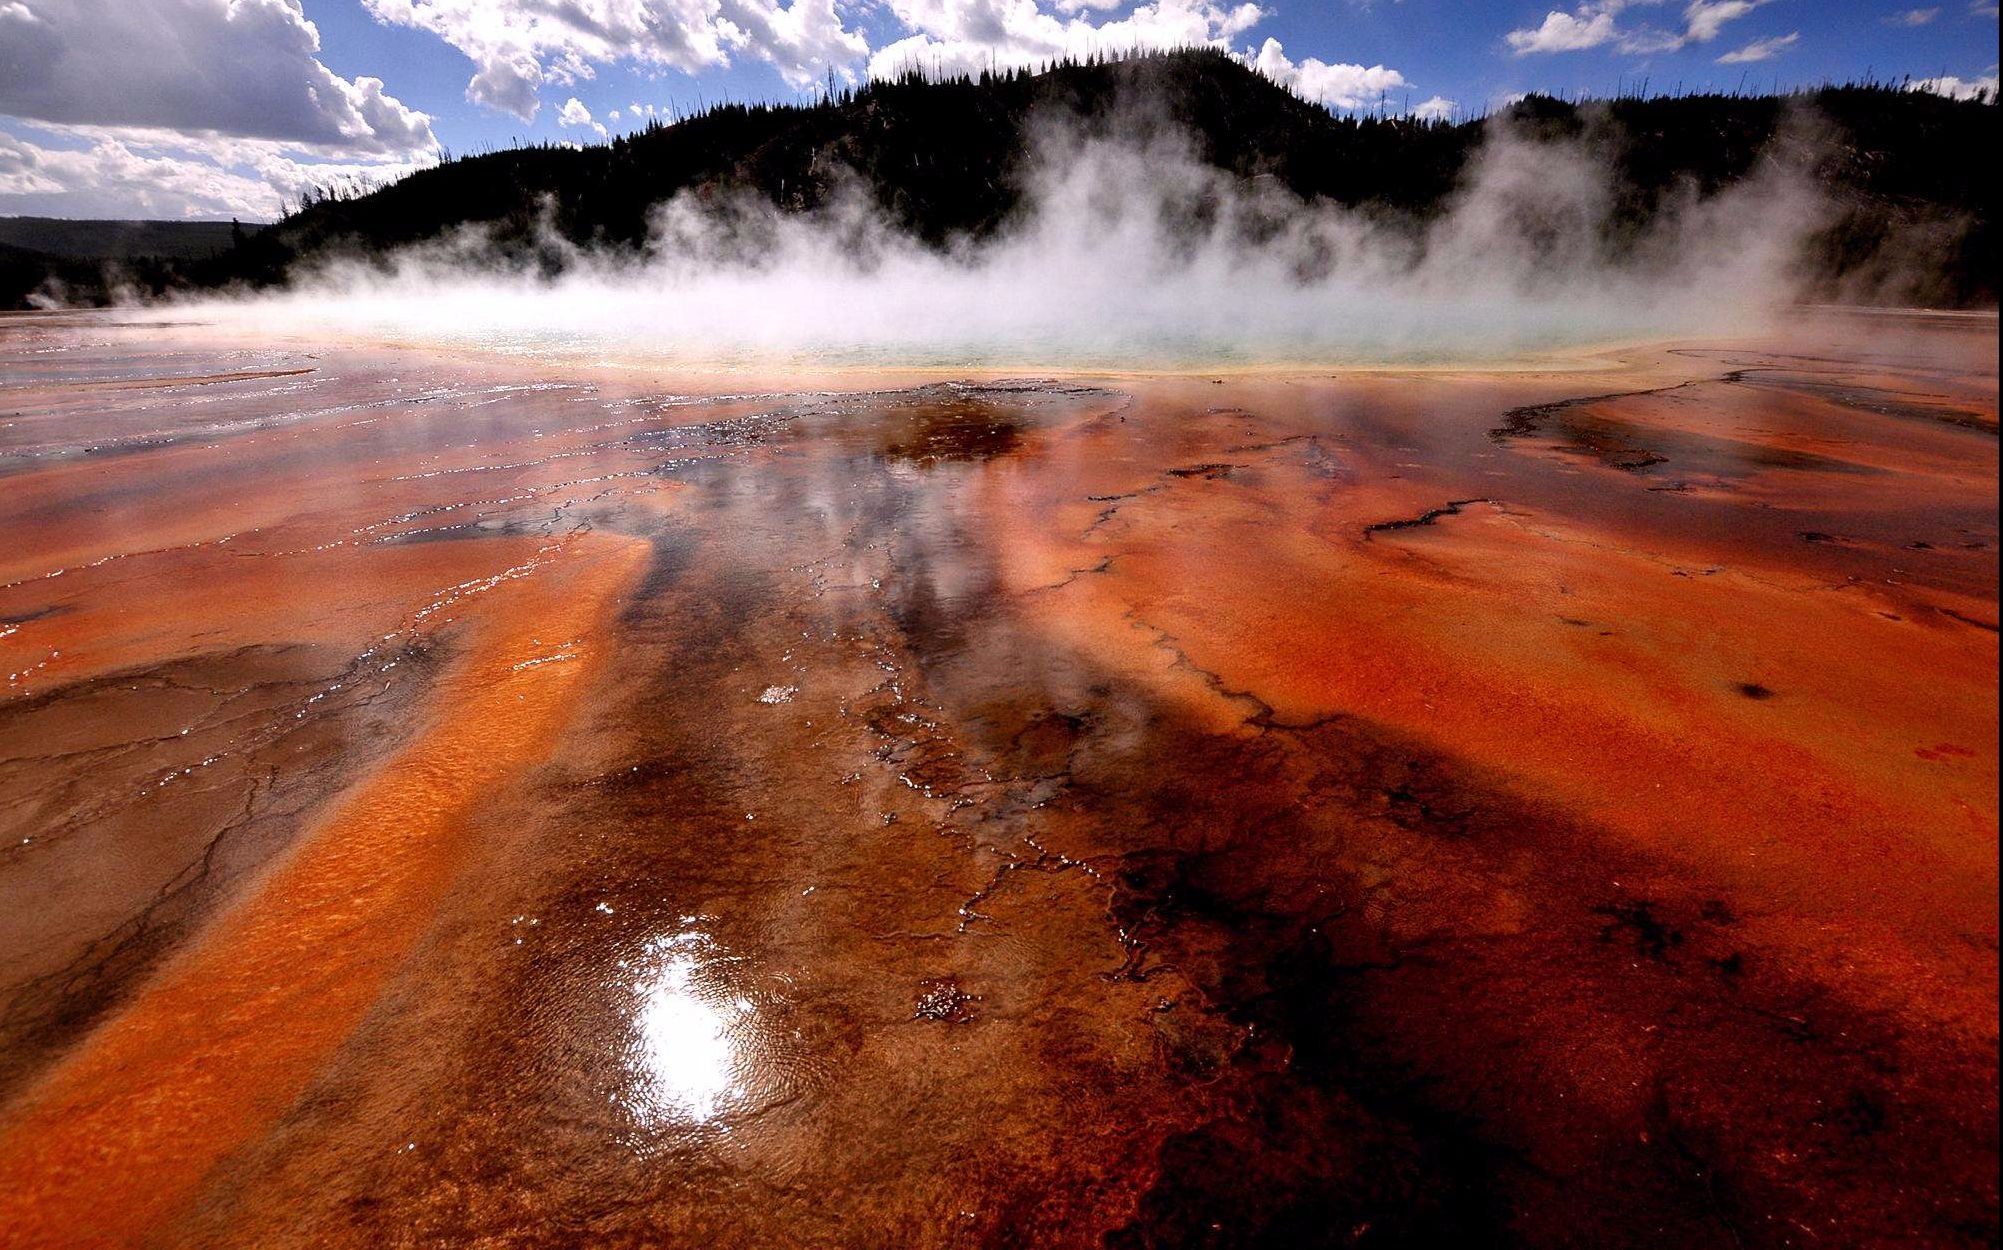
[(232, 107)]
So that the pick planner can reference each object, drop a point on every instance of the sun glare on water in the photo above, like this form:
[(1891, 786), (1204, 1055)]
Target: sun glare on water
[(686, 1061)]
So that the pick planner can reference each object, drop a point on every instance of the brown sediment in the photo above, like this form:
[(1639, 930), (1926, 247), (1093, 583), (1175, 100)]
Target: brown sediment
[(1117, 812)]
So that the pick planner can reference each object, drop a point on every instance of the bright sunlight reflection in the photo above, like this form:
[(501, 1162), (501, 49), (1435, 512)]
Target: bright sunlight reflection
[(688, 1060)]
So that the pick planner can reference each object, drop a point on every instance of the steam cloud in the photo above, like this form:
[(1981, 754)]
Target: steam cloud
[(1123, 256)]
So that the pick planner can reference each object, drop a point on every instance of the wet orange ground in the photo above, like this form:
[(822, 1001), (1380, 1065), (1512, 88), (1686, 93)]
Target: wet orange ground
[(450, 801)]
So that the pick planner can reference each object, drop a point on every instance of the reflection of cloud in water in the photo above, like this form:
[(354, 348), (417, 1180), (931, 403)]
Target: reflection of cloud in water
[(688, 1030)]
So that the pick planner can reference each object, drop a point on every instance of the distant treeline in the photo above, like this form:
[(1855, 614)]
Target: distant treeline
[(62, 255), (1905, 170)]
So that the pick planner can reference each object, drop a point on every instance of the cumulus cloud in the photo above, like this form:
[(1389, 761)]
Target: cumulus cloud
[(1980, 88), (111, 179), (1564, 32), (518, 46), (1438, 108), (1338, 86), (246, 68), (967, 36), (1596, 23), (122, 91), (576, 116), (1761, 49), (93, 172)]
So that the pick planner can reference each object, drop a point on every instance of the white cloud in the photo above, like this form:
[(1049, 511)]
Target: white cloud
[(575, 115), (1705, 18), (518, 46), (1564, 32), (1594, 24), (223, 107), (97, 172), (1338, 86), (967, 36), (245, 68), (1703, 21), (1982, 88), (1761, 49), (1912, 17), (1439, 108)]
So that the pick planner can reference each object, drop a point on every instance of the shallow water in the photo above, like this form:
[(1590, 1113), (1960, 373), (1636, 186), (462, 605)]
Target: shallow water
[(458, 798)]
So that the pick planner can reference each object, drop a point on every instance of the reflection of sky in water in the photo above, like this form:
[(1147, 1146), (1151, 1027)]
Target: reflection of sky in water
[(762, 323), (688, 1032), (1390, 335)]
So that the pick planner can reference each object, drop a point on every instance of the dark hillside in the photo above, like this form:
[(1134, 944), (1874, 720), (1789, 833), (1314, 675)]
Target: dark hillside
[(84, 260), (943, 159), (940, 157), (117, 240)]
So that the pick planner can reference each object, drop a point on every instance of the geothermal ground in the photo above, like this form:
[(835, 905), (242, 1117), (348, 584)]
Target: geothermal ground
[(472, 800)]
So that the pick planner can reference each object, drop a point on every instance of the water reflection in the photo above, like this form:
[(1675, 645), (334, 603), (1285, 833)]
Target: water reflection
[(960, 429), (690, 1032)]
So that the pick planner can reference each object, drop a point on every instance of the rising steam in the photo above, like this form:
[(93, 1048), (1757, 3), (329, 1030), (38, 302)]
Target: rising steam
[(1121, 257)]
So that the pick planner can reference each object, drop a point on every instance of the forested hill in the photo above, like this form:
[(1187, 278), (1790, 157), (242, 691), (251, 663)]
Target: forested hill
[(118, 240), (942, 158), (85, 254)]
